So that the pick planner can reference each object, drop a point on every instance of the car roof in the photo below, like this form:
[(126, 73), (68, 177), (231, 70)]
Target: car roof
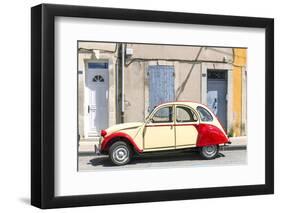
[(187, 103)]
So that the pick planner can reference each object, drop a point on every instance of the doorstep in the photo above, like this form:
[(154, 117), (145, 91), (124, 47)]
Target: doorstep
[(87, 146)]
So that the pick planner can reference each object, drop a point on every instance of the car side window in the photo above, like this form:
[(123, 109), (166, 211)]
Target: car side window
[(185, 114), (205, 115), (163, 115)]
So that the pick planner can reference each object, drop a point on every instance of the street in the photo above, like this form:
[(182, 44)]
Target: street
[(93, 162)]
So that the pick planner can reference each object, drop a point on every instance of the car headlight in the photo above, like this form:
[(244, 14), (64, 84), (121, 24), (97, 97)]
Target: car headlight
[(103, 133)]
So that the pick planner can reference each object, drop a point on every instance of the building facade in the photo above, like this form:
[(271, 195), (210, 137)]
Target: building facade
[(123, 82)]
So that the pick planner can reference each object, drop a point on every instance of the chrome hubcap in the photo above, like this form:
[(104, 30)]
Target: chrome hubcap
[(210, 150), (121, 154)]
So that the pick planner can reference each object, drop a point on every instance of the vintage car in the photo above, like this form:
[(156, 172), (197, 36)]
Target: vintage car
[(170, 126)]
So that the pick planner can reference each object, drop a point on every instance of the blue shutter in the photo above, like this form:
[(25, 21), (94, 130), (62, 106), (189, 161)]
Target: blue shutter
[(161, 85)]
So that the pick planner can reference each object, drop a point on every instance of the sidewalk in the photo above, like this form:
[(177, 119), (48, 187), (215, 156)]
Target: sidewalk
[(237, 143), (87, 146)]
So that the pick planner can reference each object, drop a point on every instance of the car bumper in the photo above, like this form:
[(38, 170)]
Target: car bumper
[(224, 145), (97, 148)]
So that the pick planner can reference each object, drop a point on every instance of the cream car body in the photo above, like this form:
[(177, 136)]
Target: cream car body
[(179, 125)]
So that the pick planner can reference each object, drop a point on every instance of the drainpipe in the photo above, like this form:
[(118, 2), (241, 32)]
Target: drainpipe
[(117, 90), (122, 82)]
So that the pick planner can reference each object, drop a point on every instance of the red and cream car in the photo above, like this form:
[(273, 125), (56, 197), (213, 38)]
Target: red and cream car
[(170, 126)]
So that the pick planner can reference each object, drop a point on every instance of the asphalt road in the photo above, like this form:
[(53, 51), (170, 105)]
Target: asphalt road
[(182, 159)]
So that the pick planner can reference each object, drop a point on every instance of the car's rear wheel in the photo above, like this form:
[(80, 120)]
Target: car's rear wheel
[(120, 153), (209, 152)]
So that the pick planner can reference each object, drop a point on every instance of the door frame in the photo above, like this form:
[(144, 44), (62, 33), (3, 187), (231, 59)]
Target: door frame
[(87, 95), (204, 82), (226, 81)]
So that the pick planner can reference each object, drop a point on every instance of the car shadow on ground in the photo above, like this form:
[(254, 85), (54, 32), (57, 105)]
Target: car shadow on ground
[(103, 160)]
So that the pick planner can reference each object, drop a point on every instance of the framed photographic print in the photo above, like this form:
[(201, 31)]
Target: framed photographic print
[(139, 106)]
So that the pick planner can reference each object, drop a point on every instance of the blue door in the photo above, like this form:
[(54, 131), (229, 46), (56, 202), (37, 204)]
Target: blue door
[(161, 85), (217, 92)]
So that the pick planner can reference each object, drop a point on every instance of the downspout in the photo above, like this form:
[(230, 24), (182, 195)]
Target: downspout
[(117, 90), (122, 83)]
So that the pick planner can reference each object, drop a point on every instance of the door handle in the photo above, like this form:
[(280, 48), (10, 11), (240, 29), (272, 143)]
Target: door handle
[(88, 109)]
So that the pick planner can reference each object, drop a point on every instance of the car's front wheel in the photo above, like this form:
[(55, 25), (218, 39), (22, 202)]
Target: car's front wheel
[(120, 153), (209, 152)]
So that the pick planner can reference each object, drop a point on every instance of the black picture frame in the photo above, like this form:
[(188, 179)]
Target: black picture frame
[(43, 105)]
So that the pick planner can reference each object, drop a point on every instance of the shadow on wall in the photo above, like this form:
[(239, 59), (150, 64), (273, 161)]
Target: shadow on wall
[(181, 88)]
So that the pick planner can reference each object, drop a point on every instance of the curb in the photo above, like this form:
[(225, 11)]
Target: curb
[(86, 153), (235, 147), (223, 148)]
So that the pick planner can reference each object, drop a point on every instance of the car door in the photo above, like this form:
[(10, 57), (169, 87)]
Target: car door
[(159, 131), (186, 121)]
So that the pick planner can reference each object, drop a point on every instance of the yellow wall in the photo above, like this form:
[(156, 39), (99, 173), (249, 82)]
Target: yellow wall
[(240, 60)]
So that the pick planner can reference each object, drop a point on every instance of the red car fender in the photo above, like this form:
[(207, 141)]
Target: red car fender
[(209, 134), (109, 138)]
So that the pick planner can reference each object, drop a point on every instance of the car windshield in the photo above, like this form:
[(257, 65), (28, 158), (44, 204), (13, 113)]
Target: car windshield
[(149, 113)]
